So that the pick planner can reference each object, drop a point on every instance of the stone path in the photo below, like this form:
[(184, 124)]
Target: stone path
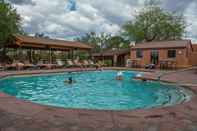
[(180, 77), (18, 115)]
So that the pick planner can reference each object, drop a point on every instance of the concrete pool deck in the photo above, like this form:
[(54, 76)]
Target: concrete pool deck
[(20, 115)]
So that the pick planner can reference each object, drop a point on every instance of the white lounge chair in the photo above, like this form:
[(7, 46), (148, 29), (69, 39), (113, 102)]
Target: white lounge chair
[(60, 63), (70, 63), (46, 66), (77, 63), (86, 63)]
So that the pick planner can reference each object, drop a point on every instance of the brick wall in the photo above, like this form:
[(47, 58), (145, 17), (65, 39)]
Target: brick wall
[(193, 58), (194, 47), (182, 57)]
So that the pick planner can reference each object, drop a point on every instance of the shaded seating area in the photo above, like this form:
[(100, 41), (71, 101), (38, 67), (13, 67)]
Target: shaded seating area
[(77, 63), (28, 65), (33, 47), (168, 64), (150, 66), (60, 63), (92, 64), (42, 65), (86, 63), (89, 63), (135, 63), (15, 65), (70, 63), (112, 57)]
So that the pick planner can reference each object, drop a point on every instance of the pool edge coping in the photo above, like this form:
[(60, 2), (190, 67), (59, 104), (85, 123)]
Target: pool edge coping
[(151, 111)]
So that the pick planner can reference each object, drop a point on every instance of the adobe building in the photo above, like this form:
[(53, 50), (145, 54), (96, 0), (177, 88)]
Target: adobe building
[(194, 47), (117, 57), (179, 52), (31, 44)]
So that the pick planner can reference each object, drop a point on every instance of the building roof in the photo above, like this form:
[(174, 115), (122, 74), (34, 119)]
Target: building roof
[(162, 44), (112, 52), (45, 43)]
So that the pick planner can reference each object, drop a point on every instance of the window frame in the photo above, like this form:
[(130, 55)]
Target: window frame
[(139, 54), (171, 55)]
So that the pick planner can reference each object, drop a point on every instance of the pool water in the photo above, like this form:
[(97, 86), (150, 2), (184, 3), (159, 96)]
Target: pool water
[(94, 90)]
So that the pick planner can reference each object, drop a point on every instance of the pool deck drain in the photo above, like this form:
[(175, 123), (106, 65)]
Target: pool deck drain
[(20, 115)]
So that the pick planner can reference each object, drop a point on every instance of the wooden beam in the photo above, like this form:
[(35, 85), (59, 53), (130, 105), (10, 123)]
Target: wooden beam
[(50, 56)]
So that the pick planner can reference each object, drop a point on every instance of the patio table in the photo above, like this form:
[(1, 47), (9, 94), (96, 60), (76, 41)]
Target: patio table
[(168, 64), (135, 63)]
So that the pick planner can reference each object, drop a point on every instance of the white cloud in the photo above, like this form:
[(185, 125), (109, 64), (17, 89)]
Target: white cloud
[(52, 18), (191, 17)]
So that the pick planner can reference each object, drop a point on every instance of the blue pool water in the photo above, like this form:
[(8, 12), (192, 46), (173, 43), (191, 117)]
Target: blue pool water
[(94, 90)]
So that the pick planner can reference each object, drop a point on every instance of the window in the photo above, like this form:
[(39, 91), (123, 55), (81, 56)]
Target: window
[(171, 53), (155, 57), (139, 54)]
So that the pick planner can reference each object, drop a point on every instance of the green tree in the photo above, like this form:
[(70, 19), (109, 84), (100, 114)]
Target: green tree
[(90, 39), (103, 41), (153, 23), (41, 35), (118, 42), (9, 25), (99, 42)]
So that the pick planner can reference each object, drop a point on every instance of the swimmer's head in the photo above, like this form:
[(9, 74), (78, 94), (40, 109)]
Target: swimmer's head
[(120, 73), (139, 75), (70, 79)]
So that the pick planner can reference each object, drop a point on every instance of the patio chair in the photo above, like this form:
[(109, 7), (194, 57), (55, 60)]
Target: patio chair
[(134, 64), (60, 63), (101, 63), (15, 65), (172, 65), (150, 66), (77, 63), (70, 63), (28, 65), (162, 65), (42, 65), (138, 63), (86, 63), (96, 65), (92, 63)]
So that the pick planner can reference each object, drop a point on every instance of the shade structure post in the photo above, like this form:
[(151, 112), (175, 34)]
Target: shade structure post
[(19, 56), (115, 57), (72, 54), (90, 54), (103, 59), (50, 56), (30, 55)]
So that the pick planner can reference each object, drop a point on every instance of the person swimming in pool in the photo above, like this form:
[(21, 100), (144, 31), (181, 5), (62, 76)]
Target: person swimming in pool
[(119, 76), (70, 80), (140, 76)]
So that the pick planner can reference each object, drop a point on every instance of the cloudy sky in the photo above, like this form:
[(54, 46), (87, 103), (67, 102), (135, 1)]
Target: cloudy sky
[(66, 19)]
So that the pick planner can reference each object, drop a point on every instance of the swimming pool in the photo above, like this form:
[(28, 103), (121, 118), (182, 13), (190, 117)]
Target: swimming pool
[(94, 90)]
